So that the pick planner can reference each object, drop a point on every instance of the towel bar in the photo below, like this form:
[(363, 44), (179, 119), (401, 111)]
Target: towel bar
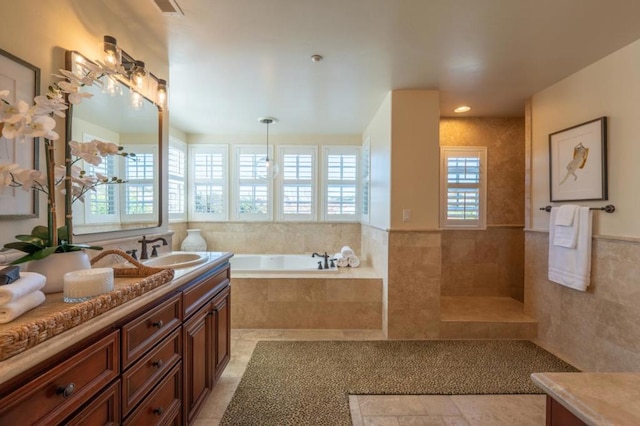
[(609, 208)]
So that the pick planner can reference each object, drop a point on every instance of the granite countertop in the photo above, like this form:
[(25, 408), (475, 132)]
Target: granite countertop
[(595, 398), (21, 362)]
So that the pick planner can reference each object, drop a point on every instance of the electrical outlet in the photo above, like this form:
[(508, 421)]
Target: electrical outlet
[(406, 215)]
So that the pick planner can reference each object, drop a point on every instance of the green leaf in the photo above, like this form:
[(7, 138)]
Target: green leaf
[(31, 239), (41, 232), (44, 252), (63, 233), (23, 246)]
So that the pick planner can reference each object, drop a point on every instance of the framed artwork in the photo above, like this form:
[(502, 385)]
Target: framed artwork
[(22, 80), (578, 162)]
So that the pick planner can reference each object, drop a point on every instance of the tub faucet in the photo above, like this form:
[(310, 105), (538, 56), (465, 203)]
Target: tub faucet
[(143, 253), (326, 259)]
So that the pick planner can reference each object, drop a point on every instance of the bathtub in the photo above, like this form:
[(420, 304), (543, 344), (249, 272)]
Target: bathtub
[(277, 263)]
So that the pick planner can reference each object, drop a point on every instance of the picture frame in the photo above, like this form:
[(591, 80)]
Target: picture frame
[(578, 162), (22, 79)]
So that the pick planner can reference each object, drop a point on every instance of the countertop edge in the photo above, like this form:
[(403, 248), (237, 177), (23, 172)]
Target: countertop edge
[(22, 362), (567, 399)]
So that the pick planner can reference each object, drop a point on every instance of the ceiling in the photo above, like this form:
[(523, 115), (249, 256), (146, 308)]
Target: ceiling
[(233, 61)]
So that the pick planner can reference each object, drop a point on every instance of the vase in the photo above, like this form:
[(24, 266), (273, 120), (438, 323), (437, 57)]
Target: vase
[(54, 266), (194, 241)]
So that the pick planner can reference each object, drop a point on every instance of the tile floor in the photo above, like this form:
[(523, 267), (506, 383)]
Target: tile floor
[(370, 410)]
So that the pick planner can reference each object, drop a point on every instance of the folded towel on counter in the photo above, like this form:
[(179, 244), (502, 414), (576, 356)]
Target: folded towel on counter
[(566, 226), (341, 262), (346, 251), (13, 310), (26, 284), (353, 261)]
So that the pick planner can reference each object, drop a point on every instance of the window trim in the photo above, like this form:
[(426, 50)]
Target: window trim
[(191, 196), (365, 181), (284, 150), (235, 184), (181, 146), (479, 152), (339, 149)]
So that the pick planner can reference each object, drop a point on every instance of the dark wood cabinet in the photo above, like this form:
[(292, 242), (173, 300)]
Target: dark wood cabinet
[(206, 341), (58, 392), (155, 366), (558, 415)]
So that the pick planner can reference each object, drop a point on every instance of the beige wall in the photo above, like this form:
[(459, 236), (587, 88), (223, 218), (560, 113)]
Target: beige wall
[(375, 249), (489, 262), (274, 237), (596, 329), (379, 134), (415, 159), (39, 32)]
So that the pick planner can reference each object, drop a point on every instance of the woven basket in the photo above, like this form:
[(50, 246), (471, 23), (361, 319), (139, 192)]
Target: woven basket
[(55, 316)]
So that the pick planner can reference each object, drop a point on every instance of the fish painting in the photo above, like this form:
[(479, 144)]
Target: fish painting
[(580, 154)]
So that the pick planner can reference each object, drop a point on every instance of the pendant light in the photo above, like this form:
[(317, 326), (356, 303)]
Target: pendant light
[(267, 169)]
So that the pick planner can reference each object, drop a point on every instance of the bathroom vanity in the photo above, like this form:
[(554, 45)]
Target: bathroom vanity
[(152, 360), (575, 399)]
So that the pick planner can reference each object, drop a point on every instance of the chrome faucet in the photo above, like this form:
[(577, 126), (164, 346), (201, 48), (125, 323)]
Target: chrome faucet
[(326, 259), (143, 253)]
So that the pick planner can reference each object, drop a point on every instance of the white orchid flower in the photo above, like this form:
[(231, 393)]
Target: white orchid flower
[(87, 151), (6, 172), (14, 131), (10, 113), (41, 125), (106, 148), (27, 177), (46, 106)]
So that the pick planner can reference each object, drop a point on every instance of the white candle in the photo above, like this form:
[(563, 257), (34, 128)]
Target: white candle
[(87, 283)]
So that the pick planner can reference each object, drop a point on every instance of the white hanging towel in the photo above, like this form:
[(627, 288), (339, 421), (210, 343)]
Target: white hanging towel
[(571, 267), (566, 226)]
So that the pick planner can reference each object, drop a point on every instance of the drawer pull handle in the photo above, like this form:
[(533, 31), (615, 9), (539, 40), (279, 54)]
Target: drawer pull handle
[(158, 411), (157, 363), (157, 324), (66, 391)]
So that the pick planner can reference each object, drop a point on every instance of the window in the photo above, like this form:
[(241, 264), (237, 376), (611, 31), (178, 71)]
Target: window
[(297, 183), (252, 194), (138, 195), (208, 188), (365, 180), (101, 205), (463, 187), (177, 171), (340, 189)]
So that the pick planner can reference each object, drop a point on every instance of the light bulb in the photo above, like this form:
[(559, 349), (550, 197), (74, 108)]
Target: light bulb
[(112, 53), (136, 100)]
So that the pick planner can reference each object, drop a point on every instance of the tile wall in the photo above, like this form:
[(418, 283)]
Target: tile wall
[(414, 285), (596, 330), (273, 237), (483, 263)]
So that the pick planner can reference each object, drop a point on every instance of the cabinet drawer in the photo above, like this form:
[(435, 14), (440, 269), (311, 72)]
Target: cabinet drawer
[(104, 410), (142, 333), (199, 294), (57, 393), (144, 374), (163, 404)]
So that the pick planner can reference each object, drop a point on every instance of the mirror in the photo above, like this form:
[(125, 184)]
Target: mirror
[(112, 118)]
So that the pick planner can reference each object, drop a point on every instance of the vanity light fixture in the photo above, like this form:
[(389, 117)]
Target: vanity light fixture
[(112, 53), (462, 108), (267, 169), (126, 68), (162, 92)]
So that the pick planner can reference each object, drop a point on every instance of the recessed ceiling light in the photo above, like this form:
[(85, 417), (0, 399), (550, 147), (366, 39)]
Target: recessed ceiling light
[(462, 108), (316, 58)]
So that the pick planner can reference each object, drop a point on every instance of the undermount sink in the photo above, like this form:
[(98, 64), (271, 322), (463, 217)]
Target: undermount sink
[(176, 259)]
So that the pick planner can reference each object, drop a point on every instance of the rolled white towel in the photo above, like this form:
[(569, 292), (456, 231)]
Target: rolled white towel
[(342, 262), (13, 310), (353, 261), (346, 251), (27, 283)]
